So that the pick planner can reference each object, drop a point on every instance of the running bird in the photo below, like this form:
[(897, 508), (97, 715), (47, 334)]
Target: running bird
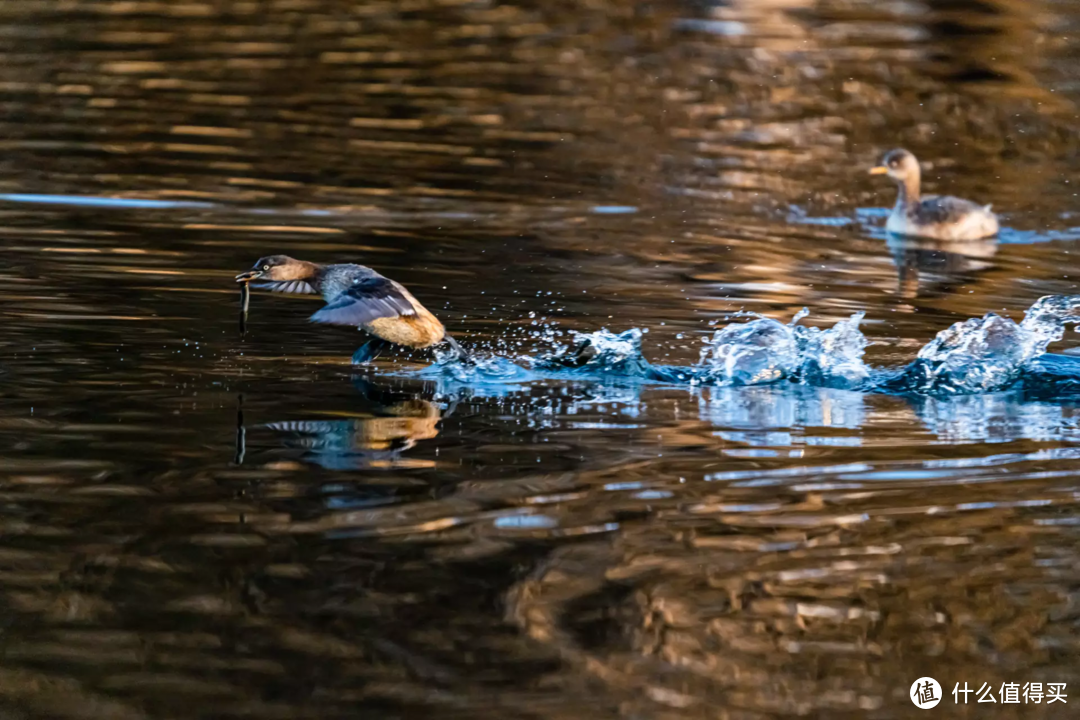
[(356, 295), (941, 217)]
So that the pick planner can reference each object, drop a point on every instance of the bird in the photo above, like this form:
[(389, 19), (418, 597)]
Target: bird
[(941, 217), (358, 296)]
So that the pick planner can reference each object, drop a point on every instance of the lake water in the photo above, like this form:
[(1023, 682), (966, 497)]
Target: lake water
[(197, 524)]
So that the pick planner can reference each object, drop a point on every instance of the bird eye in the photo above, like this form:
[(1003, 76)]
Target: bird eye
[(266, 267)]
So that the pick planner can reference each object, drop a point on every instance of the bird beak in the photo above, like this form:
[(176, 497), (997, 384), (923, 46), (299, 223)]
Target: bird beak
[(879, 170), (249, 276)]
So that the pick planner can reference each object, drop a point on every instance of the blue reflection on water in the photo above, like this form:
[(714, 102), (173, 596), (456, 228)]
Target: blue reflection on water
[(614, 209), (104, 202)]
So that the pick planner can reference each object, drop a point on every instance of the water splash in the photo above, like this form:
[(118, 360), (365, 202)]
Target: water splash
[(833, 358), (1047, 318), (752, 353), (987, 354), (601, 353), (478, 369), (1051, 377), (980, 355), (765, 350), (757, 352)]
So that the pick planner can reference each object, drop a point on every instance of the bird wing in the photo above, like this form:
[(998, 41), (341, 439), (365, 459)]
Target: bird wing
[(286, 286), (945, 208), (368, 299)]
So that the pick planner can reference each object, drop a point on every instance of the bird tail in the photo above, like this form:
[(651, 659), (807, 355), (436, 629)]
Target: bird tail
[(463, 355)]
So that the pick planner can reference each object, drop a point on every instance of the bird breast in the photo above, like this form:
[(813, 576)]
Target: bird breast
[(415, 331)]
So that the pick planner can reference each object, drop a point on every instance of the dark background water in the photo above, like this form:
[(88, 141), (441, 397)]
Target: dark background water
[(199, 525)]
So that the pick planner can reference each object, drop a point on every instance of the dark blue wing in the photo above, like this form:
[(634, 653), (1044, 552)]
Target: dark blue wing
[(945, 208), (369, 299)]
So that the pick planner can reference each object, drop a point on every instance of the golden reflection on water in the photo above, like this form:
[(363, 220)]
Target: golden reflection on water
[(548, 549)]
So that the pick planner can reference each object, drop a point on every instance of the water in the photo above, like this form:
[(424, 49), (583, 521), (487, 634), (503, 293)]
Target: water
[(660, 493)]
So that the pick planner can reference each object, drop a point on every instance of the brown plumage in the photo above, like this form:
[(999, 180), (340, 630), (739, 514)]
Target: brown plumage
[(931, 216), (358, 296)]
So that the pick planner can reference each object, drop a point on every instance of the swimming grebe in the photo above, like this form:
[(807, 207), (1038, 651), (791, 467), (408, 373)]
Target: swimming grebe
[(358, 296), (933, 216)]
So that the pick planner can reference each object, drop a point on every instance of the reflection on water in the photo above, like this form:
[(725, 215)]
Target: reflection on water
[(197, 524), (997, 418), (782, 416), (371, 442), (923, 265)]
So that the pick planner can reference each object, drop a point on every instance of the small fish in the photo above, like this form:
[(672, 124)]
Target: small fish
[(245, 300)]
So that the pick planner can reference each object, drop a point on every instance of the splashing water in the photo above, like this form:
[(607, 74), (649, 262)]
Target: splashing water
[(752, 353), (601, 353), (478, 369), (980, 355), (764, 350), (834, 357), (757, 352), (1047, 318), (988, 354)]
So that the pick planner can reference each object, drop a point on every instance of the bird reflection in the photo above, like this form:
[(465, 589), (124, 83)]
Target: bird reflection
[(926, 267), (388, 423)]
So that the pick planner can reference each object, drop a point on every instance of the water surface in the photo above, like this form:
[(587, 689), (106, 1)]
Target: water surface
[(197, 524)]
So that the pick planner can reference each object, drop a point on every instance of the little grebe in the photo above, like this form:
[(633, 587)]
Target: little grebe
[(932, 216), (358, 296)]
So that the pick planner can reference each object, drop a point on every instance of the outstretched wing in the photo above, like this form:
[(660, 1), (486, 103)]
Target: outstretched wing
[(369, 299), (286, 286)]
